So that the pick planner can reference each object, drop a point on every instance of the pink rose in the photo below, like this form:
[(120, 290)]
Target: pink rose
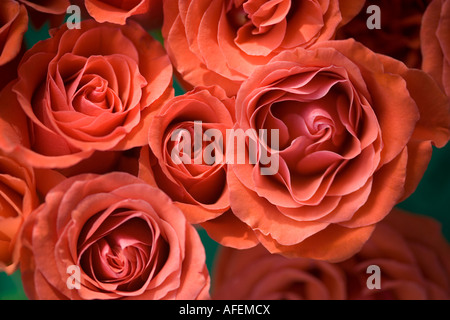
[(356, 131), (77, 94), (171, 162), (127, 238)]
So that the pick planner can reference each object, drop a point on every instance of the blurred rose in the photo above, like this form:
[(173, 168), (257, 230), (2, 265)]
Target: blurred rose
[(42, 11), (82, 91), (435, 35), (17, 199), (399, 36), (356, 131), (410, 250), (413, 256), (255, 274), (128, 239), (213, 42)]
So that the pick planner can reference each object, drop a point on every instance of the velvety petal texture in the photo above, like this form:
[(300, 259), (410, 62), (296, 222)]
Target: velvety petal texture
[(435, 33), (82, 91), (222, 41), (127, 238), (355, 134), (18, 198), (186, 155), (410, 250)]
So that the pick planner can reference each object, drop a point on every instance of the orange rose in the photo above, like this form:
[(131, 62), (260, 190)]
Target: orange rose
[(435, 34), (355, 135), (82, 91), (410, 250), (119, 11), (221, 42), (127, 239), (197, 186), (17, 199), (399, 36)]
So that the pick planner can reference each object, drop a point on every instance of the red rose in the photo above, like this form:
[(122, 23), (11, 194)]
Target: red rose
[(83, 91), (412, 255), (127, 239), (221, 42), (356, 131), (435, 42)]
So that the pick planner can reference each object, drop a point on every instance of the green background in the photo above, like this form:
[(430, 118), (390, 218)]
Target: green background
[(431, 198)]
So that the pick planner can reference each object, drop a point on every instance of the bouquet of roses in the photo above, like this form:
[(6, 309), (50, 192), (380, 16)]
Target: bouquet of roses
[(287, 131)]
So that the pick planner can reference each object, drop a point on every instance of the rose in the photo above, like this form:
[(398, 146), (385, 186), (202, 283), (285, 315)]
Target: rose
[(18, 198), (356, 131), (13, 25), (127, 238), (435, 44), (196, 184), (119, 11), (82, 91), (399, 35), (410, 250), (221, 42), (187, 158)]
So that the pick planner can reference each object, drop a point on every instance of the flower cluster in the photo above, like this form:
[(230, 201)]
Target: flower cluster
[(298, 131)]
